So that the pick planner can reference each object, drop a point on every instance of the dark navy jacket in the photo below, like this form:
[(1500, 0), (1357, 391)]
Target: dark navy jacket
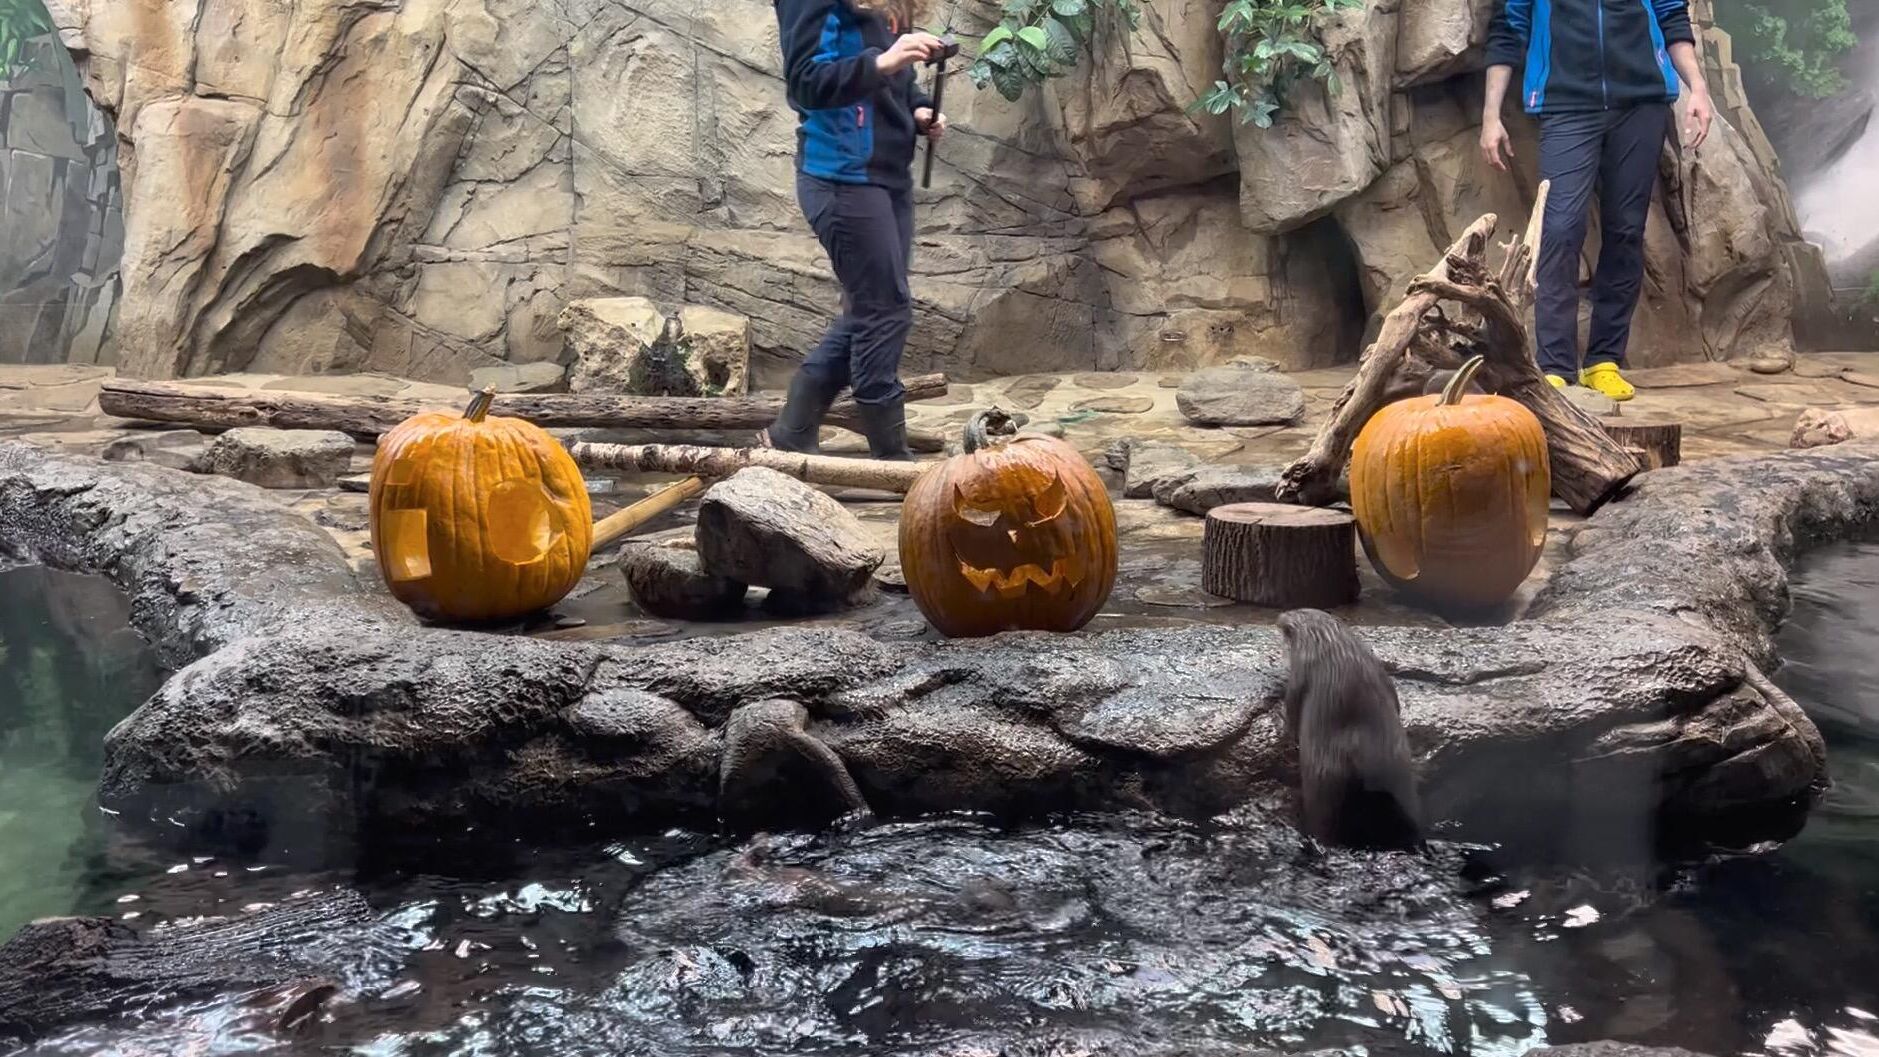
[(855, 126), (1590, 54)]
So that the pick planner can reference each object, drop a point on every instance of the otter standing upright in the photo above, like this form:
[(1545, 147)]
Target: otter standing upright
[(1357, 782)]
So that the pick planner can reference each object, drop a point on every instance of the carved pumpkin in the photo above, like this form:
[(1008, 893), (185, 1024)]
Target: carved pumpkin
[(477, 518), (1450, 493), (1016, 533)]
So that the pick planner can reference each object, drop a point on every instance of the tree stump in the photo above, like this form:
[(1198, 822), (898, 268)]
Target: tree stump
[(1272, 554), (1658, 440)]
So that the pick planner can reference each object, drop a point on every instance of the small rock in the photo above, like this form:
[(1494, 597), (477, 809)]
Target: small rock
[(570, 622), (1117, 405), (179, 449), (1028, 391), (1209, 485), (763, 527), (667, 581), (1148, 464), (519, 377), (1240, 396), (1590, 401), (1769, 364), (345, 519), (1818, 427), (1104, 380), (280, 458), (1171, 381)]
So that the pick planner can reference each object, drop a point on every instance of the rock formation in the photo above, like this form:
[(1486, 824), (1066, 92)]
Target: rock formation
[(423, 188)]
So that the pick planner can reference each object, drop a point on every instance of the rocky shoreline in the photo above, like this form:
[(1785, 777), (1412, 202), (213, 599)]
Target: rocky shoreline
[(302, 696)]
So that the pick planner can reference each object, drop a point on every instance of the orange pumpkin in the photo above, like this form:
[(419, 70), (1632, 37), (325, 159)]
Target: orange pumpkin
[(1016, 533), (1450, 492), (477, 518)]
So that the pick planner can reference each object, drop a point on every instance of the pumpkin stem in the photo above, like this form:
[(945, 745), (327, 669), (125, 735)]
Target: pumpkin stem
[(1458, 385), (991, 423), (479, 404)]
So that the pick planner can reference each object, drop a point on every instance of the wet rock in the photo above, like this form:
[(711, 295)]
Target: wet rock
[(1208, 485), (178, 449), (1027, 392), (1116, 405), (1146, 465), (1240, 396), (667, 581), (358, 482), (628, 345), (280, 458), (767, 528), (1770, 364)]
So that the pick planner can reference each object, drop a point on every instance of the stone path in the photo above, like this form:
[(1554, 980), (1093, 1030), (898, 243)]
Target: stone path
[(1725, 408)]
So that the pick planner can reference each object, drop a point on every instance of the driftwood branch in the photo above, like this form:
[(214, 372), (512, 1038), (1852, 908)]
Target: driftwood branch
[(723, 462), (366, 417), (1588, 467), (618, 524)]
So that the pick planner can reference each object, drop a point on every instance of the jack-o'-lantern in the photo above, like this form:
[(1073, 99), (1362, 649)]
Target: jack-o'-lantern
[(1451, 493), (477, 518), (1016, 533)]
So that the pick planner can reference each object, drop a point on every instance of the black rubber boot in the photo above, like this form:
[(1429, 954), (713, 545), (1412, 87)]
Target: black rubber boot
[(797, 428), (885, 426)]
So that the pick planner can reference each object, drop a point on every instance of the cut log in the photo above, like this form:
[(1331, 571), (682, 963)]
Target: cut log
[(366, 417), (1272, 554), (617, 524), (1660, 440), (1588, 467), (723, 462)]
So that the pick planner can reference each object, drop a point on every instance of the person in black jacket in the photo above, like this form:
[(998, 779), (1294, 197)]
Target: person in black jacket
[(849, 67), (1600, 75)]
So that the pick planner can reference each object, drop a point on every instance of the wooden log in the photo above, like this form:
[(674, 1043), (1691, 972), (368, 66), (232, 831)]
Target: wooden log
[(1660, 440), (366, 417), (1272, 554), (723, 462), (617, 524), (921, 441)]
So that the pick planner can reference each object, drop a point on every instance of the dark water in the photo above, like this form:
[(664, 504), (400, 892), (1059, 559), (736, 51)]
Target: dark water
[(952, 937)]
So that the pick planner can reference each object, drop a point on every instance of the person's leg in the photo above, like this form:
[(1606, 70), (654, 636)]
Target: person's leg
[(1627, 175), (1569, 156), (824, 372), (883, 308)]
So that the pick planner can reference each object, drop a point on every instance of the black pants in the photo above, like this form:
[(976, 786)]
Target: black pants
[(1614, 152), (868, 233)]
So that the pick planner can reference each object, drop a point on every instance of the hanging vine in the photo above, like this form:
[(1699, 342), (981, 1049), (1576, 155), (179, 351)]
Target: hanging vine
[(1270, 45), (1037, 40)]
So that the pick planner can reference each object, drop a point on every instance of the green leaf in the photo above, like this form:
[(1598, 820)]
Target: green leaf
[(1061, 44), (1069, 8), (1020, 9), (1002, 57), (1035, 38), (997, 36), (1009, 82)]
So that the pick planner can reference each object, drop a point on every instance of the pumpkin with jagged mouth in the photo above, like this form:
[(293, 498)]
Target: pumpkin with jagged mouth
[(1016, 533)]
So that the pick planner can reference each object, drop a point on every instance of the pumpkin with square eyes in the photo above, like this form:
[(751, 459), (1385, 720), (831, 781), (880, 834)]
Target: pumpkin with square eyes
[(477, 518), (1016, 533)]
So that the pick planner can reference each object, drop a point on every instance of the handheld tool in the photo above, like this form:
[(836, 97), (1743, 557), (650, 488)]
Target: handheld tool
[(939, 92)]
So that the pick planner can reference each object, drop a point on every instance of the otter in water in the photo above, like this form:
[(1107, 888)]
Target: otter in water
[(1357, 783)]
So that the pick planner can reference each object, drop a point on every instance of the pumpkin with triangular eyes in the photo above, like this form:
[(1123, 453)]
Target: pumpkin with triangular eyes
[(477, 518), (1016, 533)]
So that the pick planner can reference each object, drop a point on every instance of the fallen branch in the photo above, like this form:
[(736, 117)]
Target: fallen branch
[(617, 524), (365, 417), (1588, 467), (723, 462)]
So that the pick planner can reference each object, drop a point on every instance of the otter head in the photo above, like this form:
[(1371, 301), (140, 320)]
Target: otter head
[(1301, 627)]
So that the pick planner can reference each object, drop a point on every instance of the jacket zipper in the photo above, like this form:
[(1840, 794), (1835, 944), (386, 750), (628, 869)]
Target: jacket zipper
[(1604, 78), (861, 118)]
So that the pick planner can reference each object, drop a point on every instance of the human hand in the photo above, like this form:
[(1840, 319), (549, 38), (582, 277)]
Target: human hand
[(931, 125), (1697, 117), (911, 48), (1496, 146)]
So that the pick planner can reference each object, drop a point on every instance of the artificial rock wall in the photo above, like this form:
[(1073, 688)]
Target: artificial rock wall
[(419, 186)]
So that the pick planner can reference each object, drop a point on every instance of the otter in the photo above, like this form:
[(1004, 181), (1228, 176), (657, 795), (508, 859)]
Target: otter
[(1357, 783)]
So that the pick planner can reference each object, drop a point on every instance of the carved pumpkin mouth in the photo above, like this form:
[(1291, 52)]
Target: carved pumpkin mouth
[(1064, 572)]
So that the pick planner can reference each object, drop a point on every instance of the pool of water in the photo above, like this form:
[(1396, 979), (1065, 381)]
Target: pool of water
[(953, 937)]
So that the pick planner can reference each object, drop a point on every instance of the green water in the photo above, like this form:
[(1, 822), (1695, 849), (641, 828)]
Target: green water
[(70, 668)]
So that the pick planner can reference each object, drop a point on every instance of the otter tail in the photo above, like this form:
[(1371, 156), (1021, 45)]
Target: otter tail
[(1379, 820)]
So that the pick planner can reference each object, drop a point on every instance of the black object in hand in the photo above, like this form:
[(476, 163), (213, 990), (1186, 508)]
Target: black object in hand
[(949, 48)]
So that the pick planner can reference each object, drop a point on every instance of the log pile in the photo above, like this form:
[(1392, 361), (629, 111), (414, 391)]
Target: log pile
[(1459, 309), (366, 417)]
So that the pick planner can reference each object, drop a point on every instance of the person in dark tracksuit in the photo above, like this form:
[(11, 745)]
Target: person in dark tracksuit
[(1600, 75), (850, 69)]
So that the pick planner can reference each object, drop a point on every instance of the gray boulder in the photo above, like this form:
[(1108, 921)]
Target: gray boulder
[(1145, 465), (667, 581), (1240, 396), (767, 528), (280, 458), (1208, 485)]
